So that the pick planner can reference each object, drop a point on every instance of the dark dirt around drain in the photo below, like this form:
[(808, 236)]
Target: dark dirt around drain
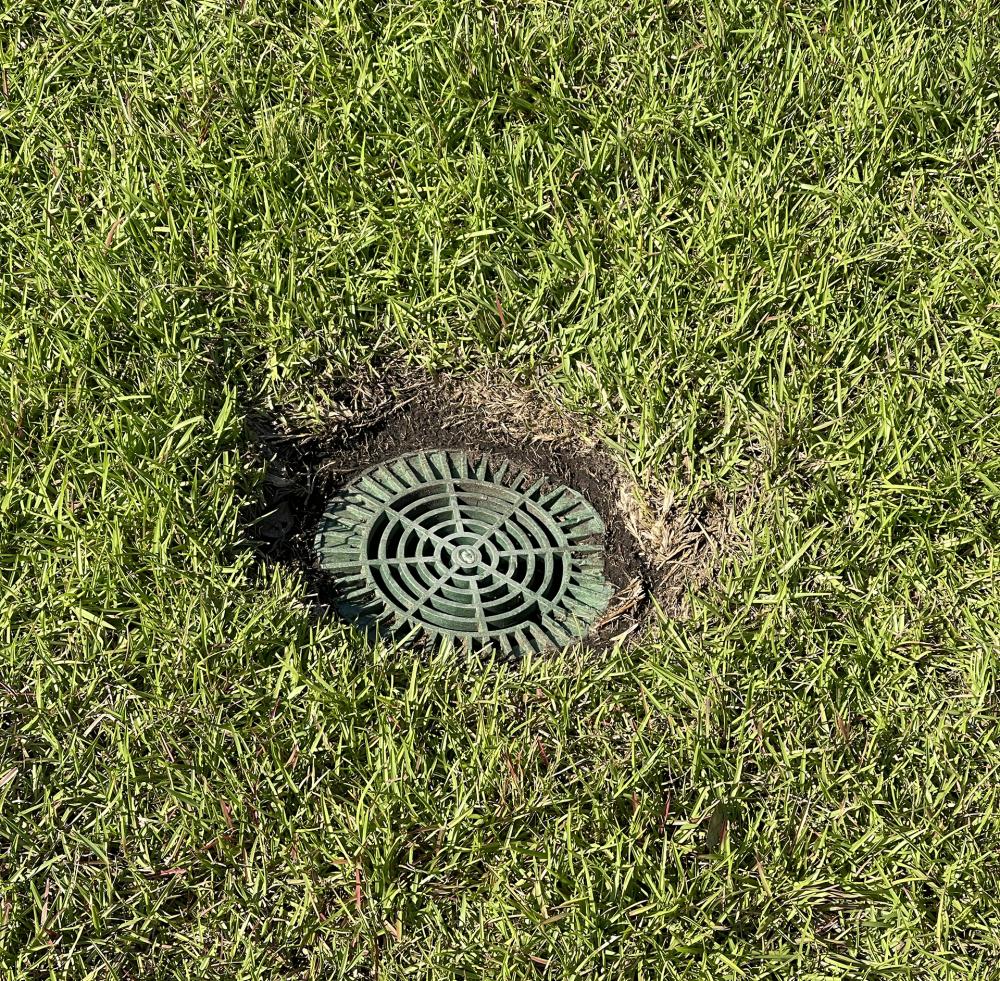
[(380, 417)]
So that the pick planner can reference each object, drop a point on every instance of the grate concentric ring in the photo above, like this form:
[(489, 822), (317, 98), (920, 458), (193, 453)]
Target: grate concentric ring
[(465, 548)]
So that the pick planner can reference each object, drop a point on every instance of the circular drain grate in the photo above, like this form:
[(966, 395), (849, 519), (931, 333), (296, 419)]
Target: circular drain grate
[(465, 548)]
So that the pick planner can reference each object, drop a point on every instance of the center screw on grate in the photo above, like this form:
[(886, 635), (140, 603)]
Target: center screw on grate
[(466, 555), (465, 548)]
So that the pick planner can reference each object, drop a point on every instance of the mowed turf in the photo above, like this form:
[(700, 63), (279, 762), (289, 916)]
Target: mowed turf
[(755, 243)]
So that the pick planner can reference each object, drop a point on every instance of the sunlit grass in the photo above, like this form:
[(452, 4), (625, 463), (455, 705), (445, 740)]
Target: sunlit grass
[(757, 243)]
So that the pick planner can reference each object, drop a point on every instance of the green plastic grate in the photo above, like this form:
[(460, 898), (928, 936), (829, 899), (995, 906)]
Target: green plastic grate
[(467, 548)]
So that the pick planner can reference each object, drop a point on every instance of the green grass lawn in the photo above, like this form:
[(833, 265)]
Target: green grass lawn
[(755, 243)]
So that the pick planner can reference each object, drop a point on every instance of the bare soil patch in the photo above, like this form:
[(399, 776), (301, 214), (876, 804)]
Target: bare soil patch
[(653, 548)]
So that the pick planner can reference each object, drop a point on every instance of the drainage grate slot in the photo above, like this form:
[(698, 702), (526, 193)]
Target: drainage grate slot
[(467, 549)]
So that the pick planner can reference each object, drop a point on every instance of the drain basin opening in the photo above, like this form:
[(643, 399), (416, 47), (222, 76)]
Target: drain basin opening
[(466, 548)]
